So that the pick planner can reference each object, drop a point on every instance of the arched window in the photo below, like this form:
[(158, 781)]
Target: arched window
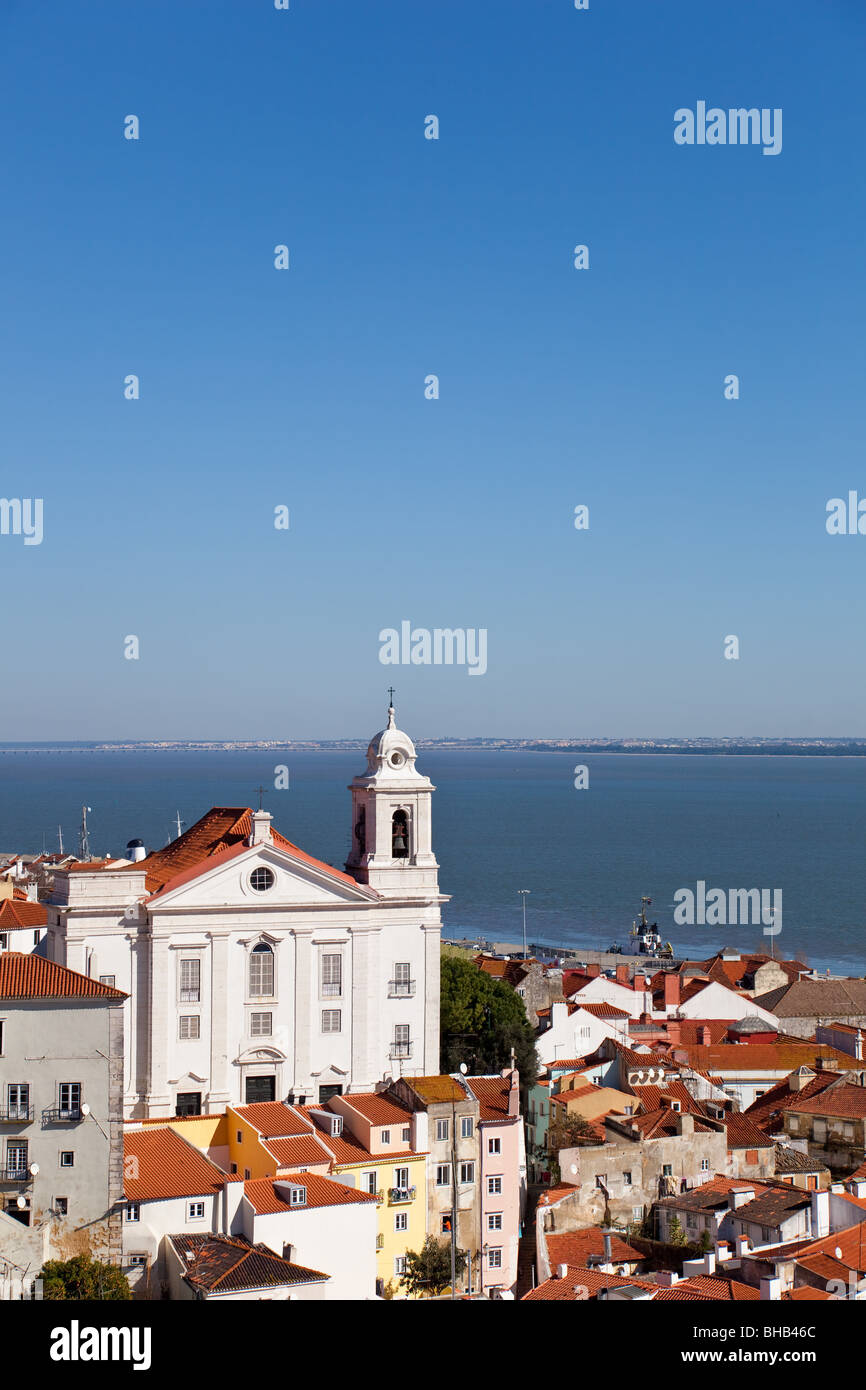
[(399, 835), (361, 831), (261, 971)]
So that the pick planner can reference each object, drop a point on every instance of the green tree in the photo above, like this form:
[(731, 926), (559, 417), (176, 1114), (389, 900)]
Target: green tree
[(677, 1235), (82, 1278), (706, 1241), (481, 1020), (569, 1131), (428, 1271)]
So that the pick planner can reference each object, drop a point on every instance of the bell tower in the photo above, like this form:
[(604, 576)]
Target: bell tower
[(391, 822)]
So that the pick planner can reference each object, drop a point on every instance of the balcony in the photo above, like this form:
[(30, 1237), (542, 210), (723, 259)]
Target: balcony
[(400, 1049), (16, 1174), (62, 1115), (401, 989), (380, 1242), (380, 1196), (16, 1114), (398, 1195)]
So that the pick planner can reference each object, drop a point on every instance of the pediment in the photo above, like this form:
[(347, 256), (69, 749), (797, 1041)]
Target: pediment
[(227, 881)]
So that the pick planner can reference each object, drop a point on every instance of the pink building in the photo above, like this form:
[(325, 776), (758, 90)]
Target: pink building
[(502, 1161)]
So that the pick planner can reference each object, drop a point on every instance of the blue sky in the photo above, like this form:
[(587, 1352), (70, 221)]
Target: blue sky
[(409, 257)]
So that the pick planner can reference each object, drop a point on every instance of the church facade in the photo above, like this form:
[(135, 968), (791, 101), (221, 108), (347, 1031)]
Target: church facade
[(257, 972)]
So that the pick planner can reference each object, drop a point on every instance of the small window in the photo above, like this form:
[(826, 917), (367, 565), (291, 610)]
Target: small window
[(407, 1135), (667, 1171), (386, 1136), (467, 1127), (494, 1186), (261, 971), (190, 981), (401, 1221), (626, 1179), (240, 1135), (195, 1211), (247, 1174), (494, 1221), (261, 1025), (297, 1196), (332, 976), (637, 1213), (331, 1020), (107, 980), (441, 1131), (190, 1026), (467, 1173), (705, 1165), (67, 1158), (188, 1103), (443, 1174), (445, 1224), (61, 1206), (262, 879), (138, 1261), (494, 1258), (399, 1264), (133, 1211), (494, 1146), (601, 1179), (233, 1167), (368, 1182)]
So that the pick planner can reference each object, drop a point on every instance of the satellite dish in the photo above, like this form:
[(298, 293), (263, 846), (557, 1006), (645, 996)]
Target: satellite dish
[(464, 1068), (20, 1203), (34, 1169), (85, 1109), (574, 1168), (838, 1252)]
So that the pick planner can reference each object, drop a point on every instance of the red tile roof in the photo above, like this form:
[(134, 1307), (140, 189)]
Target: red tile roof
[(300, 1152), (758, 1057), (377, 1109), (491, 1092), (768, 1110), (226, 1264), (599, 1009), (274, 1120), (434, 1090), (581, 1283), (839, 1100), (15, 915), (33, 977), (576, 1247), (743, 1133), (266, 1200), (718, 1287), (166, 1166)]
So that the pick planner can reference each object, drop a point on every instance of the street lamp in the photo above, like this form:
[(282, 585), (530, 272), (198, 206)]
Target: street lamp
[(523, 893)]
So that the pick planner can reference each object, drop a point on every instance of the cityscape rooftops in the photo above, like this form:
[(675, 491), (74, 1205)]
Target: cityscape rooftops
[(34, 977)]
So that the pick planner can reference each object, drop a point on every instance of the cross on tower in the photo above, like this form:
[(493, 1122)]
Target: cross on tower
[(261, 792), (391, 694)]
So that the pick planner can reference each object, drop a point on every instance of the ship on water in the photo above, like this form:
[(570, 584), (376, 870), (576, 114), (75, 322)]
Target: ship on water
[(644, 938)]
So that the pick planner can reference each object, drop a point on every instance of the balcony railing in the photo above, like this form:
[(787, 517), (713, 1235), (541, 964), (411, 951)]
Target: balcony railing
[(16, 1114), (16, 1174), (400, 1049), (190, 996), (62, 1115), (332, 991), (380, 1196), (400, 1194), (401, 989), (380, 1242)]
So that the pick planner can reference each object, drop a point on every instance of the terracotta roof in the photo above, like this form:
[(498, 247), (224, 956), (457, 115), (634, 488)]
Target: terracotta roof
[(33, 977), (377, 1109), (652, 1097), (167, 1166), (274, 1120), (434, 1090), (567, 1064), (266, 1200), (816, 998), (823, 1265), (599, 1009), (839, 1100), (665, 1123), (851, 1243), (225, 1264), (767, 1111), (722, 1058), (15, 915), (790, 1160), (739, 972), (551, 1195), (491, 1092), (743, 1133), (298, 1153), (579, 1277), (563, 1097), (576, 1247), (806, 1294), (718, 1287), (713, 1194), (220, 830), (772, 1206)]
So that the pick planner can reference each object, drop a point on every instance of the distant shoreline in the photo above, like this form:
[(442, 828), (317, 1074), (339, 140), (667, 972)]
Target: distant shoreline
[(762, 748)]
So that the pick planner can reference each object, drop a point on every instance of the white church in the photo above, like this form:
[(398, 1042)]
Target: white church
[(257, 972)]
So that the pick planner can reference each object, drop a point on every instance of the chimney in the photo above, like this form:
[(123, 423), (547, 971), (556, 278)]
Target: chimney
[(673, 1032), (685, 1124), (593, 971), (261, 828), (607, 1255), (562, 1271), (771, 1288), (666, 1278), (514, 1093), (706, 1036), (858, 1046), (820, 1203), (639, 982), (622, 975), (722, 1251), (672, 990), (742, 1246), (742, 1195), (710, 1262)]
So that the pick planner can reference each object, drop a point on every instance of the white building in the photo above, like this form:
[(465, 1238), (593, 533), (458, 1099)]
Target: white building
[(257, 972)]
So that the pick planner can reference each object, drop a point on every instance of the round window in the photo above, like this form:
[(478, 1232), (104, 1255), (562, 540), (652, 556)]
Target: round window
[(262, 880)]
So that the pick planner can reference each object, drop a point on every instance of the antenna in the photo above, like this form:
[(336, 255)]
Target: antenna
[(60, 837), (180, 825), (83, 837)]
